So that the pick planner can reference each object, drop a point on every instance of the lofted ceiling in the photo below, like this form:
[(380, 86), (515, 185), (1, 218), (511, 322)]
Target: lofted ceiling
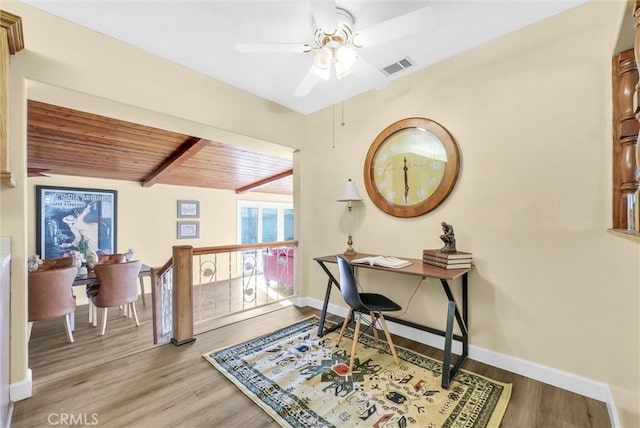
[(202, 35), (64, 141)]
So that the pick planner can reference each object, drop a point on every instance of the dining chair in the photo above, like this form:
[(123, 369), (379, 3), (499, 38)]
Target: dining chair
[(363, 303), (51, 296), (92, 289), (118, 287)]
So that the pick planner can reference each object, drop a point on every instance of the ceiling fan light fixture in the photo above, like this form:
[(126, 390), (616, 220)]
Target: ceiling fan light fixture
[(345, 56), (323, 58)]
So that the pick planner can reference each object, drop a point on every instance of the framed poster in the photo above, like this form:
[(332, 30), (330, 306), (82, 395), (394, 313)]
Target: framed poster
[(188, 229), (188, 209), (71, 219)]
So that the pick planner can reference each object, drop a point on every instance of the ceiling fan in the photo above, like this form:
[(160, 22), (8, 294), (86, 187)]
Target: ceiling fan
[(336, 43)]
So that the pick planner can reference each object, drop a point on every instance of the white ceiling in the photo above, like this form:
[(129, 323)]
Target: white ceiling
[(201, 35)]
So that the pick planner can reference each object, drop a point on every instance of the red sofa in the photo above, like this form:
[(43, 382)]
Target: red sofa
[(278, 265)]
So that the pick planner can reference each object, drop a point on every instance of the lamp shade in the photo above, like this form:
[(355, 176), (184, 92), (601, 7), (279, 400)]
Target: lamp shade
[(349, 193)]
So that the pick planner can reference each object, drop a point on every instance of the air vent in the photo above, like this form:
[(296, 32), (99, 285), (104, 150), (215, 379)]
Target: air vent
[(397, 66)]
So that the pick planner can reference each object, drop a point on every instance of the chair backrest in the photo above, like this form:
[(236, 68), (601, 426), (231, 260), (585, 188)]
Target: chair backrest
[(50, 294), (118, 283), (348, 286), (105, 259), (56, 263)]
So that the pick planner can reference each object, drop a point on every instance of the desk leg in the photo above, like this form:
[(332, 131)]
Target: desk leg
[(325, 305), (465, 316), (449, 372), (448, 338), (144, 303), (461, 321), (323, 315)]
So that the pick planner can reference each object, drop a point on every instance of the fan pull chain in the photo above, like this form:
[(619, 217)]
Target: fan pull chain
[(333, 124), (333, 120)]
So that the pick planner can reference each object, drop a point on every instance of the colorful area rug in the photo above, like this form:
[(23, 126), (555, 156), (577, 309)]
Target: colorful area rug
[(302, 380)]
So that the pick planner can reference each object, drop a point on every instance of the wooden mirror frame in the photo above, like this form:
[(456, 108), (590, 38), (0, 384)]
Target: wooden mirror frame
[(446, 184)]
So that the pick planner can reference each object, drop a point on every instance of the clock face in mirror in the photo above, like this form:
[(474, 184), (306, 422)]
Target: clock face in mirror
[(411, 167)]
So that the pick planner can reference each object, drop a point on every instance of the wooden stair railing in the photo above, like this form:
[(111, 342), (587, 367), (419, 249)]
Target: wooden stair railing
[(162, 302), (182, 295), (172, 290)]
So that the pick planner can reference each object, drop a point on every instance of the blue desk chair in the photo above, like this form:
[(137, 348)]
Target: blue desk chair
[(359, 303)]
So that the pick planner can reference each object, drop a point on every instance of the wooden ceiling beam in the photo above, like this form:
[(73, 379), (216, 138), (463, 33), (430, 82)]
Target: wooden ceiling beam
[(37, 172), (186, 151), (264, 181)]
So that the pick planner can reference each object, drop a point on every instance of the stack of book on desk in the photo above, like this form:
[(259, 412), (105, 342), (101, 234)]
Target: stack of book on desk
[(456, 260)]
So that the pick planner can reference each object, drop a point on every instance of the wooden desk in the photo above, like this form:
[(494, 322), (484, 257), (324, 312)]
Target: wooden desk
[(423, 270), (91, 279)]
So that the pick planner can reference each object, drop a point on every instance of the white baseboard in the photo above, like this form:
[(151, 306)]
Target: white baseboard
[(21, 389), (580, 385)]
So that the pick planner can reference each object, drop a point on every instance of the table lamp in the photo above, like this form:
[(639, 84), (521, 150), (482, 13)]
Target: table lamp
[(349, 194)]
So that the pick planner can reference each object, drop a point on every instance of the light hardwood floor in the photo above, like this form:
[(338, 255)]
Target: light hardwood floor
[(122, 380)]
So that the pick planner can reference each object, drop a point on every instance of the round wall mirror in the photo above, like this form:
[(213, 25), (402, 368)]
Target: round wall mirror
[(411, 167)]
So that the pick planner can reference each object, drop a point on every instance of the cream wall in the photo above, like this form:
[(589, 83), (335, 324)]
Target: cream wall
[(71, 66), (531, 113)]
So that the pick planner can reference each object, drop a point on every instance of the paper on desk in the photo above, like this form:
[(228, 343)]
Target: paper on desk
[(383, 261)]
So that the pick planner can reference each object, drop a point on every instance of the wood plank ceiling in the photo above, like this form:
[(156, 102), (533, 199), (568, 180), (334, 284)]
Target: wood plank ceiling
[(64, 141)]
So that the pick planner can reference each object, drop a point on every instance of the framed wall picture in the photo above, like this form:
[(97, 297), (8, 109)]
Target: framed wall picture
[(188, 209), (72, 219), (188, 229)]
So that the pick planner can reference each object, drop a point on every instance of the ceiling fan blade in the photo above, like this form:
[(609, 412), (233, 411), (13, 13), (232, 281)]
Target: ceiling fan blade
[(408, 24), (367, 72), (307, 83), (272, 47), (324, 13)]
